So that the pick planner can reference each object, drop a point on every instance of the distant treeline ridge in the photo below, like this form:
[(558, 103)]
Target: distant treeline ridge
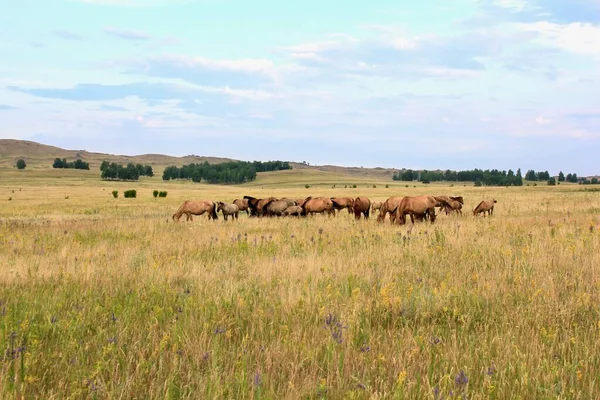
[(233, 172)]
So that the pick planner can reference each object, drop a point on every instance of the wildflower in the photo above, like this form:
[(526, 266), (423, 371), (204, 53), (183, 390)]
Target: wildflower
[(219, 330), (256, 379), (491, 370), (365, 348), (401, 378), (461, 379)]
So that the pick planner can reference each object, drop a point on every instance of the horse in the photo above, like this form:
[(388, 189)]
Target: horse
[(228, 209), (485, 205), (388, 207), (420, 207), (242, 205), (361, 205), (197, 207), (317, 205), (339, 203)]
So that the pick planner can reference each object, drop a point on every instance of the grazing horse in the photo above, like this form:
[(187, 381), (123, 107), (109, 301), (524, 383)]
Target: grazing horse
[(449, 203), (376, 205), (317, 205), (228, 209), (256, 206), (292, 210), (339, 203), (485, 205), (242, 205), (361, 205), (389, 207), (277, 207), (419, 207), (198, 207)]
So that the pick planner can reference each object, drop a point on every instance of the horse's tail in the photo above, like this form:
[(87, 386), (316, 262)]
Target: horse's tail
[(213, 212), (476, 210), (179, 211)]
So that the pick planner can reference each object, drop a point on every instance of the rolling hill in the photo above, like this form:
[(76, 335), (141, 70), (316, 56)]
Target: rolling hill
[(41, 156)]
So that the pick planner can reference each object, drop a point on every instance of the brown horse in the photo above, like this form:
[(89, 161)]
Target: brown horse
[(242, 205), (449, 203), (198, 207), (256, 206), (388, 207), (485, 205), (339, 203), (361, 205), (318, 205), (419, 207)]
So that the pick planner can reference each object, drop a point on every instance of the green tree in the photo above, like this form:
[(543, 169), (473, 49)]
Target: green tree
[(552, 181), (21, 164), (561, 177), (594, 181), (531, 175)]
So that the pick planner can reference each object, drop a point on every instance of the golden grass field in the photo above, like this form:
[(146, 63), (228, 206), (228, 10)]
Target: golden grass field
[(108, 298)]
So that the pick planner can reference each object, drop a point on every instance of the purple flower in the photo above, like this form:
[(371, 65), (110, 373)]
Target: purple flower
[(256, 380), (461, 379), (219, 330), (365, 348)]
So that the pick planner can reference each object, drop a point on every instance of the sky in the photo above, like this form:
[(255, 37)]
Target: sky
[(453, 84)]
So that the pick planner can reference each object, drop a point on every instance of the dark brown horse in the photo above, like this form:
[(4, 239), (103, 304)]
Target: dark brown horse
[(361, 205)]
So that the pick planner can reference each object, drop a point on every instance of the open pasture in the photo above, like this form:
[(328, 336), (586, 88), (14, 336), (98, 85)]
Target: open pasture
[(109, 298)]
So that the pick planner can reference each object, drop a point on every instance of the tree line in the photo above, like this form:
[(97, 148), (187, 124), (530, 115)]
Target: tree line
[(486, 177), (233, 172), (77, 164), (131, 172)]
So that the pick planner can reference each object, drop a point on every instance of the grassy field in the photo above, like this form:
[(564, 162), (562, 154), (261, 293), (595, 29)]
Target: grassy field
[(108, 298)]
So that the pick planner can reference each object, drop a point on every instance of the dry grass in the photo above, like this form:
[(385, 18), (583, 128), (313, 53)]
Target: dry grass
[(103, 297)]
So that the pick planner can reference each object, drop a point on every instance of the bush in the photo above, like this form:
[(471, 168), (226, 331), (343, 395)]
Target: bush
[(552, 181), (162, 194), (115, 193), (307, 186), (374, 186), (354, 186), (130, 193), (426, 181), (387, 186), (10, 199), (155, 193), (21, 164), (477, 183)]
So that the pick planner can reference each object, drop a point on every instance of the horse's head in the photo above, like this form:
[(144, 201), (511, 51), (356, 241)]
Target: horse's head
[(220, 205)]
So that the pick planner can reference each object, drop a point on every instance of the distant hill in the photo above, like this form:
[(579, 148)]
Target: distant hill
[(41, 156)]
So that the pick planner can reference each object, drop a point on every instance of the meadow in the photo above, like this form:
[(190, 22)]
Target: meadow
[(108, 298)]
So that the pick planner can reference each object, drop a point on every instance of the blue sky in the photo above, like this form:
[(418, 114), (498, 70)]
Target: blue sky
[(417, 84)]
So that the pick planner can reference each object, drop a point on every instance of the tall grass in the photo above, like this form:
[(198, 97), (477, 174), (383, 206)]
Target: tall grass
[(124, 303)]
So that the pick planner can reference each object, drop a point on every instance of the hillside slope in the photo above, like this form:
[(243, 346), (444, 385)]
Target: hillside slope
[(41, 156)]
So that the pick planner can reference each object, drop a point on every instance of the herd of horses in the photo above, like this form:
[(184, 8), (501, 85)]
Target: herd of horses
[(420, 208)]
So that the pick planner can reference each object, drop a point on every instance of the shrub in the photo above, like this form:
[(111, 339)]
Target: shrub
[(10, 199), (354, 186), (552, 181), (406, 185), (477, 183), (387, 186), (162, 194), (21, 164), (426, 181), (307, 186), (374, 186), (132, 193), (155, 193), (115, 193)]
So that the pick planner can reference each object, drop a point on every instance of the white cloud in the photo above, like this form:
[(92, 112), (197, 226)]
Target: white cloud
[(239, 65), (542, 121), (581, 38)]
